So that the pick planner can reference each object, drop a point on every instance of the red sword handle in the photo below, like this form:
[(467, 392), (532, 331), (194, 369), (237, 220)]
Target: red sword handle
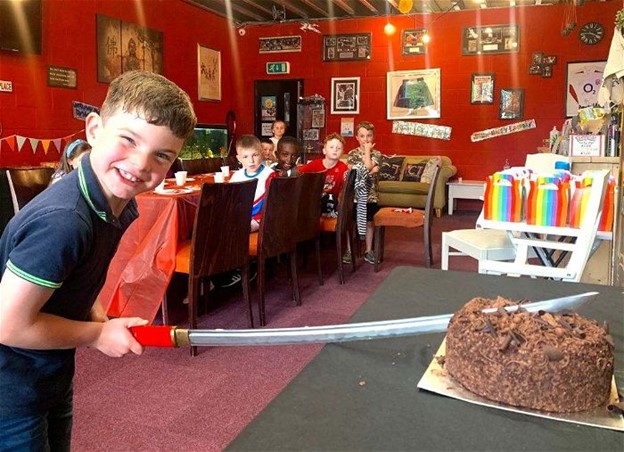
[(160, 336)]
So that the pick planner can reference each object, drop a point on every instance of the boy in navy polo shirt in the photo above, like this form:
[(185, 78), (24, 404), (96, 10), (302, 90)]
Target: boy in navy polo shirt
[(55, 254)]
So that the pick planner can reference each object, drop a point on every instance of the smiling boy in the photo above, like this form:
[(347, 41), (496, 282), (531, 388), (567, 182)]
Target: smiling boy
[(55, 254)]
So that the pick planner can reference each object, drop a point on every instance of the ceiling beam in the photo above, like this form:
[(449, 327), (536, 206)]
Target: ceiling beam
[(316, 7), (369, 6), (342, 5), (288, 4)]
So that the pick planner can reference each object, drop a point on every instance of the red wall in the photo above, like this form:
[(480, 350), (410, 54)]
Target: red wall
[(35, 110)]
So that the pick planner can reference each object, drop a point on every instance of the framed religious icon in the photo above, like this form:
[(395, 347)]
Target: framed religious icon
[(491, 39), (583, 80), (482, 89), (124, 46), (511, 103), (347, 47), (412, 42), (413, 94), (345, 95), (208, 73)]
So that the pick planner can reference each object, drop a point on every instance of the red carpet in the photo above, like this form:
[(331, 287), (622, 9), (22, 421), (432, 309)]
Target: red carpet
[(166, 400)]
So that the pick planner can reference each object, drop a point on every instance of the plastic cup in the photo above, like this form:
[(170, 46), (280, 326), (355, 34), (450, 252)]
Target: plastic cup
[(160, 186), (460, 179), (225, 170), (180, 177), (219, 178)]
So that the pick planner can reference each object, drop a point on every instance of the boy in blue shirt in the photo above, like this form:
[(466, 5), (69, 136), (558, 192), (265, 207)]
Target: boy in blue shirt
[(55, 254)]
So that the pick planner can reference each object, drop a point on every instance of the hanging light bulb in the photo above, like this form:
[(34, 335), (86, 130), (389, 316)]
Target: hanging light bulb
[(389, 29)]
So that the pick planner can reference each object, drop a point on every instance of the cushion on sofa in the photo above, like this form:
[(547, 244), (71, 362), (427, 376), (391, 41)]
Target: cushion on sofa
[(412, 172), (429, 170), (390, 168)]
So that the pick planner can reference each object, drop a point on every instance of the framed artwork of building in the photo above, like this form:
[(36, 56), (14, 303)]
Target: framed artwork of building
[(413, 94), (123, 46)]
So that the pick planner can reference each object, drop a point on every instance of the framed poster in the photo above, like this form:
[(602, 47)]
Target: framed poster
[(511, 103), (413, 94), (123, 46), (491, 39), (280, 44), (268, 108), (208, 73), (345, 95), (412, 42), (347, 47), (583, 80), (482, 89)]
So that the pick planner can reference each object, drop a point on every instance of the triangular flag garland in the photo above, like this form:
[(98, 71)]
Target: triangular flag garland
[(16, 142)]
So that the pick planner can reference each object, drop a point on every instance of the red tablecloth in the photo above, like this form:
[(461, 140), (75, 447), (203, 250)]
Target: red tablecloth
[(140, 272)]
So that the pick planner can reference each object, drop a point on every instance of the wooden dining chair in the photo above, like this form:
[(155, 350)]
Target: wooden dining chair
[(219, 242), (309, 213), (343, 226), (277, 234), (414, 218), (200, 166), (26, 183)]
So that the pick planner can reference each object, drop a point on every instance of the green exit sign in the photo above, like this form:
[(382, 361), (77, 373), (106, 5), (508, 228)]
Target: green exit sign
[(279, 67)]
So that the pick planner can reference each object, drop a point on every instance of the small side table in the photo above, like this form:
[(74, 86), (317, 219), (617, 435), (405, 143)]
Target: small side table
[(464, 189)]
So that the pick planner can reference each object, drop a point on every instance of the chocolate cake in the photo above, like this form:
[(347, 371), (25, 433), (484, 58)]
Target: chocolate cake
[(545, 361)]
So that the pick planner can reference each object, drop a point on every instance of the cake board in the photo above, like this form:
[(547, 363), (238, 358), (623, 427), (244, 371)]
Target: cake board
[(436, 379)]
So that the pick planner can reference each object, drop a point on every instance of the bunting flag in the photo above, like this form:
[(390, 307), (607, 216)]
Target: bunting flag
[(422, 130), (505, 130), (16, 142)]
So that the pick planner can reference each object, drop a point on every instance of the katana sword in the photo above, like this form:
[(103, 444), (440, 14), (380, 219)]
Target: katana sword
[(172, 336)]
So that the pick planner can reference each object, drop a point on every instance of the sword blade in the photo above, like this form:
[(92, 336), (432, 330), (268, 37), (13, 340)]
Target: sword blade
[(175, 337)]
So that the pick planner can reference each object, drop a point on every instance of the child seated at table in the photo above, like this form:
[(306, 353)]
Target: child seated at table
[(288, 150), (249, 154), (278, 129), (268, 151), (335, 171), (70, 159)]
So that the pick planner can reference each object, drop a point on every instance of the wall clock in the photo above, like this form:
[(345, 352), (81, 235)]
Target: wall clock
[(591, 33)]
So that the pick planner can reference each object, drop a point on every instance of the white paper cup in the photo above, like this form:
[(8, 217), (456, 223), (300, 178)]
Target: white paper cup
[(225, 170), (180, 177), (219, 178), (460, 179), (160, 186)]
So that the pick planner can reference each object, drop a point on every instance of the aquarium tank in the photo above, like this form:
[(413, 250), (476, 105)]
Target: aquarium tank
[(208, 141)]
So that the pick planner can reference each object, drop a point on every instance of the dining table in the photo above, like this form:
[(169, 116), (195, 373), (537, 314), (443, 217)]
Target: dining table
[(139, 274)]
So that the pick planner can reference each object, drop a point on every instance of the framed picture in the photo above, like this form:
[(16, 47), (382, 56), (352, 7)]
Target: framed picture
[(413, 94), (537, 58), (280, 44), (412, 42), (550, 59), (535, 69), (347, 47), (547, 70), (345, 95), (482, 89), (491, 39), (208, 73), (511, 103), (318, 118), (311, 134), (123, 46), (583, 80)]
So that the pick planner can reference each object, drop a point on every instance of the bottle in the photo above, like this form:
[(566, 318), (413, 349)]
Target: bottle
[(554, 137), (613, 136)]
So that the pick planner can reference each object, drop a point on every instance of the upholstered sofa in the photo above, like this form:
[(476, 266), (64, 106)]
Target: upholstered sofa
[(404, 193)]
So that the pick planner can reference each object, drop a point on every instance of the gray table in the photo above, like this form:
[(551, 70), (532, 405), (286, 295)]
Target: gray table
[(363, 395)]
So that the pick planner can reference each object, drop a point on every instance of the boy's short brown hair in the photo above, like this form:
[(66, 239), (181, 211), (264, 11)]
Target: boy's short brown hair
[(154, 98), (248, 142), (366, 125), (334, 136)]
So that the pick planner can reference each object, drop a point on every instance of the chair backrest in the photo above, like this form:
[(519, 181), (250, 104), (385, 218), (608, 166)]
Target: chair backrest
[(221, 229), (279, 218), (544, 162), (309, 211), (26, 183), (200, 166), (346, 221), (430, 194)]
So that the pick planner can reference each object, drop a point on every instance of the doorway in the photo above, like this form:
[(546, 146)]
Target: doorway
[(273, 100)]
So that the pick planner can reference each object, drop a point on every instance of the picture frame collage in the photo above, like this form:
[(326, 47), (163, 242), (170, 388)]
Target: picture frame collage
[(542, 64)]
